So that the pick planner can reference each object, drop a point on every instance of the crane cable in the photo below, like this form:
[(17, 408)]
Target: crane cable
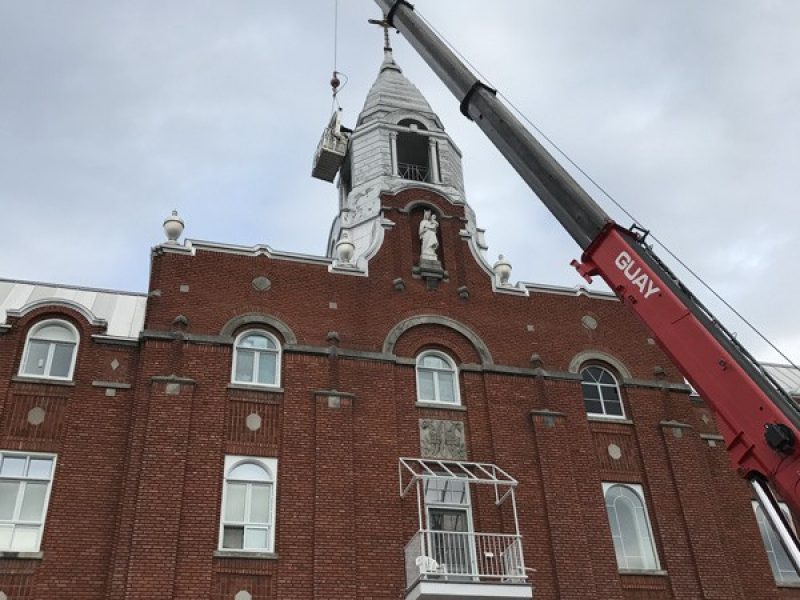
[(607, 194), (335, 33), (335, 81)]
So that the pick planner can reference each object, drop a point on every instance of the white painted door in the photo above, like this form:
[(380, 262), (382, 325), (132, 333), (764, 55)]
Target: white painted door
[(451, 541)]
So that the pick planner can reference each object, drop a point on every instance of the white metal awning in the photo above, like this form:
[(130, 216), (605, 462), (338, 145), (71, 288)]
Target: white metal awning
[(414, 470)]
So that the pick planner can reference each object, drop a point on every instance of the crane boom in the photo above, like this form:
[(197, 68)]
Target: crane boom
[(758, 420)]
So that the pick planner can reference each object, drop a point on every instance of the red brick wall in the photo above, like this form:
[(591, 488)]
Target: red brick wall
[(88, 432), (135, 507)]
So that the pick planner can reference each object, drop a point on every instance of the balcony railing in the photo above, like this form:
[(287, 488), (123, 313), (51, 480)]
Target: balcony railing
[(412, 171), (464, 557)]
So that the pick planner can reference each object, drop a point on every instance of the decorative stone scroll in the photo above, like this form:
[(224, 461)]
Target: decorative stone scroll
[(442, 439)]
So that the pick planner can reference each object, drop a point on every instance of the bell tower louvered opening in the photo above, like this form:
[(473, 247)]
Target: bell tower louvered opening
[(413, 158)]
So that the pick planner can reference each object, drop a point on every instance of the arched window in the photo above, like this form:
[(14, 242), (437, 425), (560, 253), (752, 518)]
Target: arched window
[(437, 378), (50, 350), (256, 359), (248, 504), (413, 160), (630, 527), (782, 568), (601, 393)]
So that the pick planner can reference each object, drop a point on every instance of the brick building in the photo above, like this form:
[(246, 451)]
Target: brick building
[(393, 420)]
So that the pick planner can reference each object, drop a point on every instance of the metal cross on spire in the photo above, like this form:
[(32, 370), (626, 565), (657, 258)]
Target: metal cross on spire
[(387, 47)]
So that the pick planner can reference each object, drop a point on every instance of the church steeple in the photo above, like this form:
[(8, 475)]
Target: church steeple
[(398, 142)]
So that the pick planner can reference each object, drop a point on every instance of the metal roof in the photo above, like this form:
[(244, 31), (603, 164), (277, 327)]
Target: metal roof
[(787, 376), (121, 312), (392, 91)]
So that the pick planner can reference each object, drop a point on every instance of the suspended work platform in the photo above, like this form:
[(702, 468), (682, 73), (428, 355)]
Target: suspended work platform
[(331, 150)]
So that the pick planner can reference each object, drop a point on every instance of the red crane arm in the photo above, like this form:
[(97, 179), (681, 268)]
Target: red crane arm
[(743, 409), (759, 421)]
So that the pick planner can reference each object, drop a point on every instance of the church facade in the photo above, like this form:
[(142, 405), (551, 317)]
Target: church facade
[(395, 420)]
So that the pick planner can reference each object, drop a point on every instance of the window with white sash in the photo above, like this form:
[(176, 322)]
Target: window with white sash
[(248, 504), (25, 482), (630, 527), (50, 350), (256, 359), (437, 378), (601, 394)]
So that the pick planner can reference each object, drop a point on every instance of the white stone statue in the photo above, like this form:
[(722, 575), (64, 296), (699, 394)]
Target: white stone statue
[(427, 234)]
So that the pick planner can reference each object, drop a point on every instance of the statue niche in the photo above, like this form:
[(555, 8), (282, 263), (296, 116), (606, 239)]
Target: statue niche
[(427, 236), (429, 266)]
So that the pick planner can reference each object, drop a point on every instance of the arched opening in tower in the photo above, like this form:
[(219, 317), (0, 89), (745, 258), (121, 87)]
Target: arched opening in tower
[(413, 161)]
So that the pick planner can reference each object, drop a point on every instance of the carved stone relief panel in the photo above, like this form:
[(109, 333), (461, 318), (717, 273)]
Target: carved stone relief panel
[(442, 439)]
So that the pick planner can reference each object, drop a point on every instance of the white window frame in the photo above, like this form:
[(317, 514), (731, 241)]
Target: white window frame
[(646, 541), (453, 369), (773, 546), (257, 357), (24, 480), (270, 465), (600, 387), (50, 350), (466, 507)]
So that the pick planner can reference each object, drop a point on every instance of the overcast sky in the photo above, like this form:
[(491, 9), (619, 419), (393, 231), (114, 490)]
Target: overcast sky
[(114, 113)]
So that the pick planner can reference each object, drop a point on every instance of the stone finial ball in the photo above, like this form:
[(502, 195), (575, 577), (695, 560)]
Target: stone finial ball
[(173, 227)]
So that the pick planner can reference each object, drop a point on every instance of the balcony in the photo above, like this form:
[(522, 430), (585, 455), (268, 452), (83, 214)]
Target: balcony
[(445, 565), (445, 559)]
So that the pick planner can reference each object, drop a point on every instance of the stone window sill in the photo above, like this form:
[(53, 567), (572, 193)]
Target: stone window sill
[(255, 388), (117, 385), (647, 573), (42, 380), (243, 554), (441, 406), (6, 554), (602, 419)]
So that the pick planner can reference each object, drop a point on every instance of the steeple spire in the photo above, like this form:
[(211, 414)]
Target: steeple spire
[(398, 142)]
